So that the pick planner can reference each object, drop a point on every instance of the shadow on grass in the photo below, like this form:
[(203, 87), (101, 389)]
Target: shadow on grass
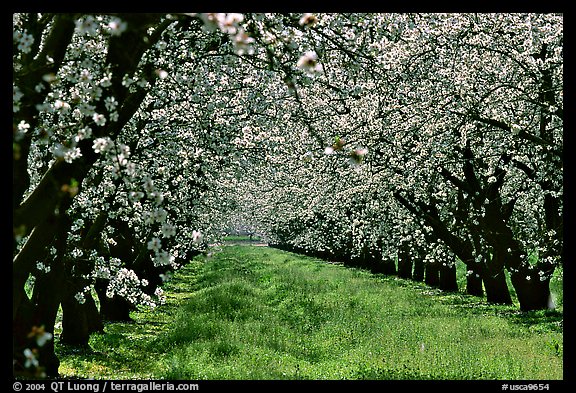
[(542, 320), (123, 350), (537, 321)]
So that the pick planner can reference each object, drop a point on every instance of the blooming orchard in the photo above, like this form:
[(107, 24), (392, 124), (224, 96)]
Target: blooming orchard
[(405, 142)]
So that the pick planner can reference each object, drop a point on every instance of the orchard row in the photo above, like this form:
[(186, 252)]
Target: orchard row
[(430, 139)]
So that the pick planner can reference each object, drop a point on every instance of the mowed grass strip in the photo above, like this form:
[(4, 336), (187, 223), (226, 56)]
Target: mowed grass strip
[(259, 313)]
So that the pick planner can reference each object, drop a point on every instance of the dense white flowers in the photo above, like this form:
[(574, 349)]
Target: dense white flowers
[(126, 284), (217, 141), (102, 145)]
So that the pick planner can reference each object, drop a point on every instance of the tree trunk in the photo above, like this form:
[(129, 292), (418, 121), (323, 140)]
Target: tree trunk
[(79, 320), (432, 274), (38, 315), (494, 278), (474, 285), (388, 266), (384, 266), (497, 290), (41, 310), (376, 263), (23, 325), (404, 263), (448, 280), (418, 273), (115, 309), (46, 310), (532, 293)]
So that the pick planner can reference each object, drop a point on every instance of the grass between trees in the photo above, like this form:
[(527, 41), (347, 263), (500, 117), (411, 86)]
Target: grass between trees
[(259, 313)]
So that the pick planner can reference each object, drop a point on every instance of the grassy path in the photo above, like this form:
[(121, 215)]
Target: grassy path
[(259, 313)]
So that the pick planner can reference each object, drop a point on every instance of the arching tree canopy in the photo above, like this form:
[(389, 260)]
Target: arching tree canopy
[(139, 138)]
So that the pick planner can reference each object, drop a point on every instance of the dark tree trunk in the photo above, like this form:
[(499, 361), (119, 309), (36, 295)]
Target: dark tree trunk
[(385, 266), (361, 260), (41, 310), (115, 309), (404, 263), (532, 294), (388, 266), (432, 274), (376, 262), (44, 310), (79, 320), (418, 273), (474, 285), (382, 264), (494, 278), (448, 280), (497, 289), (22, 326)]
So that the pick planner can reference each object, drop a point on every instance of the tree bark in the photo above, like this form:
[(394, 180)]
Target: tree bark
[(448, 280), (42, 309), (494, 278), (404, 262), (533, 294), (114, 309), (389, 266), (419, 268), (474, 285), (432, 274), (79, 321)]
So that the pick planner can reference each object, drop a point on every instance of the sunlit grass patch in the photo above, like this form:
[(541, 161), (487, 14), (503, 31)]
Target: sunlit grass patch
[(259, 313)]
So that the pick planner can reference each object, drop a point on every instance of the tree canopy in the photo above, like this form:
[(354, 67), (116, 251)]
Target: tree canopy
[(367, 137)]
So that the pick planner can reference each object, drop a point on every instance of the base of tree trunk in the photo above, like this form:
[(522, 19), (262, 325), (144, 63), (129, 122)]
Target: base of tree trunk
[(532, 294), (497, 291), (404, 264), (432, 274), (448, 280), (418, 272), (79, 321), (474, 285)]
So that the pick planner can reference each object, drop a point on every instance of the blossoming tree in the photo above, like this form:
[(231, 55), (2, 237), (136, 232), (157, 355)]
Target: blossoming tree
[(429, 140)]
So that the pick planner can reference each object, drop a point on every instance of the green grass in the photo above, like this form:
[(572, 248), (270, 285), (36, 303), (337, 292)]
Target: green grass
[(240, 238), (259, 313)]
